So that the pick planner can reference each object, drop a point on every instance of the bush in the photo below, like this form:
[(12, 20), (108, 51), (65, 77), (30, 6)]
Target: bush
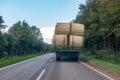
[(113, 57)]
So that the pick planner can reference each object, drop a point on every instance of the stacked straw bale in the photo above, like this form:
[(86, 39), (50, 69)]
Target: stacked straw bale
[(69, 34)]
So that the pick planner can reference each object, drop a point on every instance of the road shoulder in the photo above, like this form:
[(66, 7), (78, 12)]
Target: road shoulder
[(104, 70)]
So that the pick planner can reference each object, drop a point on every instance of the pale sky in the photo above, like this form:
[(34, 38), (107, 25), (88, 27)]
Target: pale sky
[(42, 13)]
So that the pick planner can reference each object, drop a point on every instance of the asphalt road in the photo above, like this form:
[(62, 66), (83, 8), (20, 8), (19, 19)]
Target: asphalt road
[(25, 70), (72, 71), (46, 68)]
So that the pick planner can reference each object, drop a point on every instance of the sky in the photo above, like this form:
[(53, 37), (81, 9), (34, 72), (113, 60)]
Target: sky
[(42, 13)]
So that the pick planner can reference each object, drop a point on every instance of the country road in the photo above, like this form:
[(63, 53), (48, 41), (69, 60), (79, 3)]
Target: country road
[(46, 68), (24, 70)]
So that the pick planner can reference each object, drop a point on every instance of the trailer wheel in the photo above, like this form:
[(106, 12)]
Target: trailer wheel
[(76, 59), (58, 58)]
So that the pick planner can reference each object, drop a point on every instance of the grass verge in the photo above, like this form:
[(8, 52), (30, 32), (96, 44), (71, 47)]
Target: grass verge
[(15, 59), (102, 63)]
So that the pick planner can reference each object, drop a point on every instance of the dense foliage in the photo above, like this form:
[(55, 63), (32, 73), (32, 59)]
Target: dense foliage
[(21, 39), (102, 23)]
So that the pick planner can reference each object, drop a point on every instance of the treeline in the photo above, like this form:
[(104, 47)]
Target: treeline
[(21, 39), (102, 26)]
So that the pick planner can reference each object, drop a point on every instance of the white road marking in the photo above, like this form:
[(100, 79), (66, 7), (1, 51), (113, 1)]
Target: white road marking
[(51, 60), (97, 71), (16, 63), (41, 74)]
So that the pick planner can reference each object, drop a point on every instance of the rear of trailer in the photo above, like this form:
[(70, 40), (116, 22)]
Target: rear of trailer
[(68, 41)]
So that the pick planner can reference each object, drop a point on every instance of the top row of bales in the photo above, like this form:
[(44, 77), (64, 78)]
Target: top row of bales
[(70, 29)]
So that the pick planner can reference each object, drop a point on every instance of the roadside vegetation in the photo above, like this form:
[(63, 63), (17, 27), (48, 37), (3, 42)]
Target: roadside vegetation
[(102, 30), (21, 39), (15, 59), (20, 42), (108, 64)]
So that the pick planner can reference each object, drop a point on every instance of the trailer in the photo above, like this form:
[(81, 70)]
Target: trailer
[(68, 41), (67, 54)]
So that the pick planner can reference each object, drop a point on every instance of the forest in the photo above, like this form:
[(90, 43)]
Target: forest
[(21, 39), (102, 28)]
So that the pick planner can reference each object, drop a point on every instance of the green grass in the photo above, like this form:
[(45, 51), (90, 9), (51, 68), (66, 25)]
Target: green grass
[(112, 66), (11, 60)]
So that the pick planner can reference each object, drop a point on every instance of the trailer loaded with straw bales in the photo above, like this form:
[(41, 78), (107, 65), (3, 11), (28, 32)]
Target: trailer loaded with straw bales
[(68, 40)]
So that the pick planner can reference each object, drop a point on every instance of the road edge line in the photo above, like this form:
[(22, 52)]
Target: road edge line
[(17, 63), (41, 74), (97, 71)]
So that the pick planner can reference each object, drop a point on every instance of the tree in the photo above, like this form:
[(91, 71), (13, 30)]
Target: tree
[(1, 20), (28, 38), (101, 19), (1, 23), (37, 33), (22, 39)]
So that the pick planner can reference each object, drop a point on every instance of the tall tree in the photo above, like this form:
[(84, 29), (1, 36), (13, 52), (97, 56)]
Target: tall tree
[(1, 20), (28, 39), (101, 19), (36, 32)]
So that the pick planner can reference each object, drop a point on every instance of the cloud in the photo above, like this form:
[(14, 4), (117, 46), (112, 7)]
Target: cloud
[(47, 33), (4, 30)]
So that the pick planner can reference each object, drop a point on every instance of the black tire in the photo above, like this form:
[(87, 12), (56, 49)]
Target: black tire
[(77, 59), (58, 58)]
